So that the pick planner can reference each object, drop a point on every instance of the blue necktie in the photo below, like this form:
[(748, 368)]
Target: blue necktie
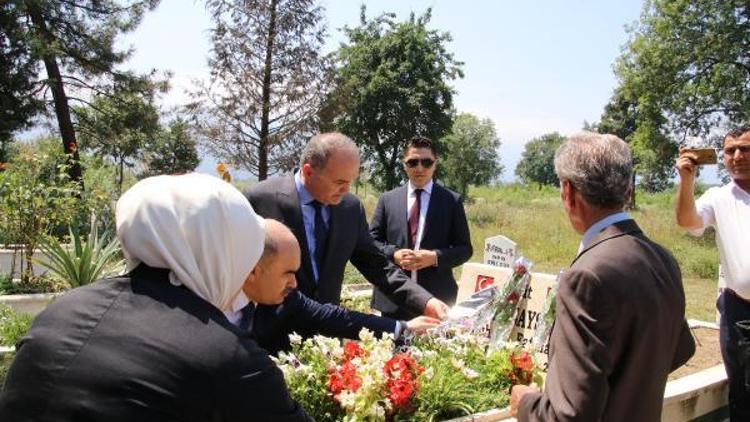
[(246, 321), (320, 231)]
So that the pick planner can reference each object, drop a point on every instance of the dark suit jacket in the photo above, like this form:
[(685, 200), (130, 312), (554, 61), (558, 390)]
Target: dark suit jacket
[(140, 349), (446, 232), (299, 314), (349, 240), (620, 330)]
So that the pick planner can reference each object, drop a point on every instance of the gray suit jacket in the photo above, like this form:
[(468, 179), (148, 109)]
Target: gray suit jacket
[(349, 240), (446, 232), (620, 330)]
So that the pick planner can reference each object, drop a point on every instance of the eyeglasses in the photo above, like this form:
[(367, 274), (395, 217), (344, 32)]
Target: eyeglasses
[(744, 149), (426, 162)]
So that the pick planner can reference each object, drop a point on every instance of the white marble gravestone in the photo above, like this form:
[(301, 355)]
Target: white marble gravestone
[(499, 251), (475, 277)]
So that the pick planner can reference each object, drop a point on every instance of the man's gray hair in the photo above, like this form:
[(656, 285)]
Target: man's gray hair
[(320, 147), (598, 165)]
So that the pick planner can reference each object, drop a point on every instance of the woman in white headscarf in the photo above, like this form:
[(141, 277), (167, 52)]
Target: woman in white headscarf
[(155, 344)]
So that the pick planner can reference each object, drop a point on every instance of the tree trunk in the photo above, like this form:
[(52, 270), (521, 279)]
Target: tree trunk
[(121, 176), (62, 109), (266, 106), (632, 193)]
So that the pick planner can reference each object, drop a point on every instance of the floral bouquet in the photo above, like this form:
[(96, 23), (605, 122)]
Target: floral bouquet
[(498, 314), (362, 381), (432, 378), (547, 317)]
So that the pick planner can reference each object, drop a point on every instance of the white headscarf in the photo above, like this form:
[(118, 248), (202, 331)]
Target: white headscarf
[(201, 228)]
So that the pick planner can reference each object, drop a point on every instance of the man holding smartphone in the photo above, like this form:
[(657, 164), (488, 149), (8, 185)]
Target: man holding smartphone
[(727, 210)]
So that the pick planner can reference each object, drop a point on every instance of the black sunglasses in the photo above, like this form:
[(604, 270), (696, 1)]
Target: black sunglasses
[(426, 162)]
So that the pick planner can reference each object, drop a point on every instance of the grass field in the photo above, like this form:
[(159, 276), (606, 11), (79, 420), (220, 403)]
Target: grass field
[(534, 218)]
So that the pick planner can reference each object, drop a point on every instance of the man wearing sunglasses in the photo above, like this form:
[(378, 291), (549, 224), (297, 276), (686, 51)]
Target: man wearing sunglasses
[(421, 226), (727, 210)]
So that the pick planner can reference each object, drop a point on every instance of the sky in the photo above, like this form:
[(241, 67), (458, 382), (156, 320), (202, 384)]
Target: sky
[(532, 67)]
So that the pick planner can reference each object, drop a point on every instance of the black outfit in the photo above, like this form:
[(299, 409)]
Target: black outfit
[(348, 240), (138, 348), (299, 314), (446, 231), (733, 308)]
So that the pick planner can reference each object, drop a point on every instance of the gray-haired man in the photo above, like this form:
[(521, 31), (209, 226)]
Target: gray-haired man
[(331, 226), (620, 327)]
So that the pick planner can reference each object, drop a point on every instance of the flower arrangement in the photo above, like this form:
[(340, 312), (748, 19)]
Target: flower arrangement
[(500, 305), (547, 317), (433, 377)]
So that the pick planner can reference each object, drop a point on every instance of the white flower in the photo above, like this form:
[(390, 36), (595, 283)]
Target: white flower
[(295, 338), (457, 363), (347, 399), (470, 373), (429, 373)]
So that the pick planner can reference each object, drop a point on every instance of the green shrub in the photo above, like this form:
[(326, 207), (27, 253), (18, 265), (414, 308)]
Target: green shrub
[(32, 284), (82, 262), (5, 361), (35, 197), (13, 325)]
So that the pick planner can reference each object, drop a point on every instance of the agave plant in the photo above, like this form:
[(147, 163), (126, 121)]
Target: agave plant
[(81, 263)]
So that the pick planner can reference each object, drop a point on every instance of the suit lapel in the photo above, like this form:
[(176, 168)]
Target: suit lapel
[(402, 217), (622, 228), (432, 210)]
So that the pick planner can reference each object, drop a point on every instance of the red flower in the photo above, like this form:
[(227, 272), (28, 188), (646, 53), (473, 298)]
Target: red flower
[(512, 297), (402, 372), (522, 361), (522, 372), (345, 378), (352, 350)]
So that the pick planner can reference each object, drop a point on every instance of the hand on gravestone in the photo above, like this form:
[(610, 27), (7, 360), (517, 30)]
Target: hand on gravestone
[(421, 324), (436, 308)]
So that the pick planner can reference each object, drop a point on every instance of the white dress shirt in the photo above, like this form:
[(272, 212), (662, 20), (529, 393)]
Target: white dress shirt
[(424, 202)]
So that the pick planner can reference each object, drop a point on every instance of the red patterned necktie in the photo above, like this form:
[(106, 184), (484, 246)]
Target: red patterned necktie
[(414, 217)]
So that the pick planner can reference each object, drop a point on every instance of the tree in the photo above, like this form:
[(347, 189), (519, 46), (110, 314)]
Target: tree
[(687, 68), (470, 153), (173, 151), (119, 128), (268, 78), (392, 84), (537, 163), (74, 40), (18, 104)]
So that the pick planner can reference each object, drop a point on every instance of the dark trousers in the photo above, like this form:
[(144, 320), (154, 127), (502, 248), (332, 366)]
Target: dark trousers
[(733, 309)]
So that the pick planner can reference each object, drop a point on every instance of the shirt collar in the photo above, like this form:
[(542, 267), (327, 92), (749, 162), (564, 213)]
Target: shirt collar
[(427, 188), (234, 314), (304, 195), (599, 226), (738, 190)]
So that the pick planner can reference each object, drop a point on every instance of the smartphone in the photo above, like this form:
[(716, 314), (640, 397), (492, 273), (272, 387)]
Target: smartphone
[(705, 155)]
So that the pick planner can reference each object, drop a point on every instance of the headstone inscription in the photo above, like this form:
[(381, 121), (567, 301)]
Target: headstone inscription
[(499, 251)]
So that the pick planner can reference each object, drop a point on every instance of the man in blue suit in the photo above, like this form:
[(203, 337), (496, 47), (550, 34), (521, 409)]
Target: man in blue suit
[(273, 282)]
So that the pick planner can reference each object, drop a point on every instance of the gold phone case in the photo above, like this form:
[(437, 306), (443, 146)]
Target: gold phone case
[(705, 155)]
